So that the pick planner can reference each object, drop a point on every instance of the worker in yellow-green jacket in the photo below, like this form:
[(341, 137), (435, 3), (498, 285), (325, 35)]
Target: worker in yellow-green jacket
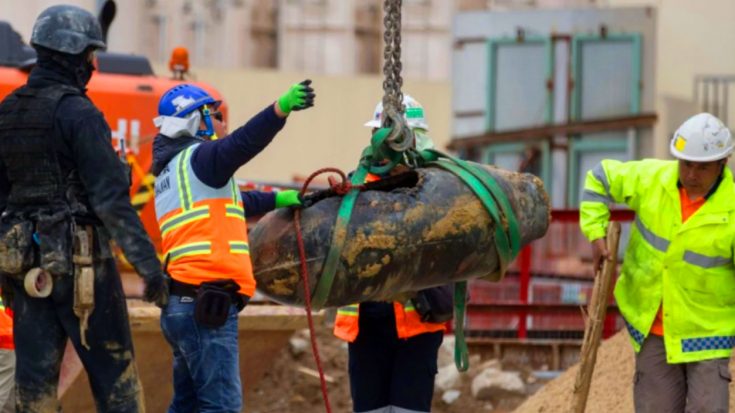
[(676, 289)]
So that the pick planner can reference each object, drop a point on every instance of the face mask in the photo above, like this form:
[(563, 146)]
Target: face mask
[(84, 72), (175, 127)]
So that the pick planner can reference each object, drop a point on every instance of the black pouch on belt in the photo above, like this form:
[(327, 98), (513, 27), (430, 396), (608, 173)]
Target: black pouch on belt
[(436, 304), (213, 302)]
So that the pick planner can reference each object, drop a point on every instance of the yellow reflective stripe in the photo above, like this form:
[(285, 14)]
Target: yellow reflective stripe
[(176, 221), (184, 187), (233, 190), (235, 211), (195, 248), (349, 310), (408, 307), (239, 247)]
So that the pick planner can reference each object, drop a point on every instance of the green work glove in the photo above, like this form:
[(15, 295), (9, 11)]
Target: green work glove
[(298, 97), (287, 198)]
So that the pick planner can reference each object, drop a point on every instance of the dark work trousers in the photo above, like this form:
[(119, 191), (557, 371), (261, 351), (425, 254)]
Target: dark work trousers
[(387, 372), (696, 387), (41, 327)]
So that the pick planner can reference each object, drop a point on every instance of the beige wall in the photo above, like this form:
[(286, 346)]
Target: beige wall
[(329, 134), (695, 37), (22, 14)]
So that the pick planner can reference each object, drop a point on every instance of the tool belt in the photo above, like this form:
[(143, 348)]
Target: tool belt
[(212, 300), (83, 277)]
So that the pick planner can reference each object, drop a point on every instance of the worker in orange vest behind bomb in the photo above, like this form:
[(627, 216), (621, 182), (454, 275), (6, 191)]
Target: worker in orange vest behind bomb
[(7, 361), (393, 347)]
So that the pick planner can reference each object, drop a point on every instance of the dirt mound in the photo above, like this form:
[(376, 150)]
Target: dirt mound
[(612, 383), (611, 389)]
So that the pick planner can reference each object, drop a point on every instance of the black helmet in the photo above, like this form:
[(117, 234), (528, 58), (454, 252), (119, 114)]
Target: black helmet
[(67, 29)]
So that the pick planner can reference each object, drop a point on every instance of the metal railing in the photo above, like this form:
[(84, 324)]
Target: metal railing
[(712, 94)]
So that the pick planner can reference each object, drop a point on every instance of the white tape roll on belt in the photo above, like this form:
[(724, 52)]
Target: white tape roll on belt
[(38, 283)]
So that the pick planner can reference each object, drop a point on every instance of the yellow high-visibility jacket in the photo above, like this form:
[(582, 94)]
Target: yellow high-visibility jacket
[(689, 267)]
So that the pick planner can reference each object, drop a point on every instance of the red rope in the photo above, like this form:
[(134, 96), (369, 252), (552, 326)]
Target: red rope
[(339, 188)]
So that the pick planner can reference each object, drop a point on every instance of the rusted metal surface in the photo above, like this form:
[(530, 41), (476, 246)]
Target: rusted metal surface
[(397, 241)]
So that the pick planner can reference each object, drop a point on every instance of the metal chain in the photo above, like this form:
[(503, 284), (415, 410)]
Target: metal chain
[(401, 137), (392, 54)]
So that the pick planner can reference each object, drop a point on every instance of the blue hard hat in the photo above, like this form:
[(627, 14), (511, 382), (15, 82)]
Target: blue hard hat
[(183, 99)]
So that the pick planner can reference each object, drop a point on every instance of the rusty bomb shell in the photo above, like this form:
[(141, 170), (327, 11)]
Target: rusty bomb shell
[(428, 232)]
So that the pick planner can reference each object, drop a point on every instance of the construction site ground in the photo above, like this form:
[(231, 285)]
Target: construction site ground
[(291, 385), (612, 383)]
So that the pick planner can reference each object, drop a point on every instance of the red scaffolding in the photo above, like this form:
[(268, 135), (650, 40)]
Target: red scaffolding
[(545, 289)]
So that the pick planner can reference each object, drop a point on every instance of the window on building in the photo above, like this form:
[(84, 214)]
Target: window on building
[(368, 36), (263, 47)]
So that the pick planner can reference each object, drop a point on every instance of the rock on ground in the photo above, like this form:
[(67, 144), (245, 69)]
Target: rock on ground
[(494, 384)]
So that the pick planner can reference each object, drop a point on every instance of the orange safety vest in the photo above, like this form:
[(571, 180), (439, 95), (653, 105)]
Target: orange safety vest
[(408, 321), (203, 229), (6, 328)]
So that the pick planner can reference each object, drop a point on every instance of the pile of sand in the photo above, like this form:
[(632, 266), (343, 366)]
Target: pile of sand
[(612, 383)]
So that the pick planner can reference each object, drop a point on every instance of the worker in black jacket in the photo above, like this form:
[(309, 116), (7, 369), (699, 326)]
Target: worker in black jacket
[(64, 195)]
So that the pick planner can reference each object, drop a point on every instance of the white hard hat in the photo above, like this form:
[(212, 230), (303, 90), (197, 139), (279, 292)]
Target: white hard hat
[(414, 114), (702, 138)]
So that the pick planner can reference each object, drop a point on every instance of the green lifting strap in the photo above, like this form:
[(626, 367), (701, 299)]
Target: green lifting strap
[(502, 242), (339, 233), (376, 150), (461, 353), (379, 150), (483, 183), (490, 194)]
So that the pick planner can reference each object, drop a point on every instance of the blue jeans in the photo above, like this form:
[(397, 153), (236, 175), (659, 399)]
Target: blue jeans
[(206, 361)]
